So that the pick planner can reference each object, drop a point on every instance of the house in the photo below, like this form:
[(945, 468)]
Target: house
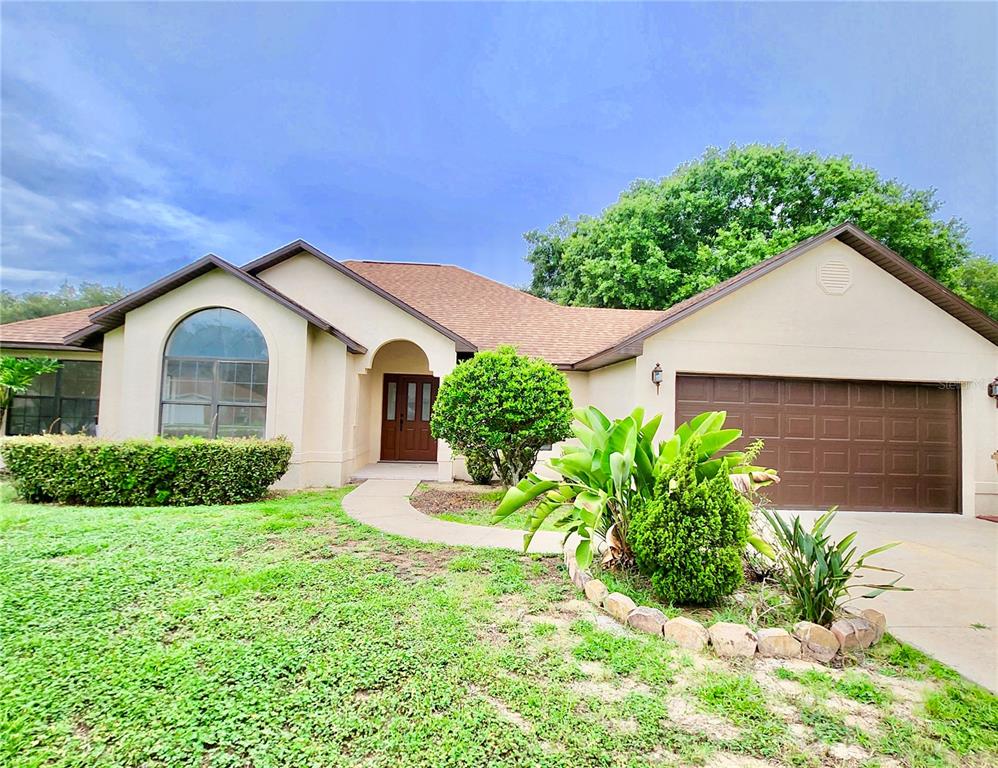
[(867, 379)]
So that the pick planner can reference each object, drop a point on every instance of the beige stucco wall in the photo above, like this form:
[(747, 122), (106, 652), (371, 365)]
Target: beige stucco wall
[(375, 323), (133, 362), (784, 324)]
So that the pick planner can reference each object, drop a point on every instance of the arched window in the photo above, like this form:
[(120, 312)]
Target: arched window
[(215, 377)]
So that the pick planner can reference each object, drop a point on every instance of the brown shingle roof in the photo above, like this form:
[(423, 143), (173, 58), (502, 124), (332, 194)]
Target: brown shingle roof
[(45, 332), (488, 313)]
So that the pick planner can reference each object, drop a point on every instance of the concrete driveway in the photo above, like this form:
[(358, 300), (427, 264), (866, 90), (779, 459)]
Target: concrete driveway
[(952, 564)]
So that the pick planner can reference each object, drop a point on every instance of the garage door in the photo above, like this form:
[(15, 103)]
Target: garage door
[(860, 445)]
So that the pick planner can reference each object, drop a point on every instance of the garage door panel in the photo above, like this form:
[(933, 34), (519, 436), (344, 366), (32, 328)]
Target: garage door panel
[(834, 394), (867, 395), (867, 427), (834, 427), (902, 462), (800, 393), (833, 459), (764, 425), (731, 391), (938, 398), (903, 429), (856, 445), (797, 426), (763, 392), (868, 461)]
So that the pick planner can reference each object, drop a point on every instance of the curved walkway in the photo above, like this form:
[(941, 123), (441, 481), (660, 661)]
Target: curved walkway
[(384, 504)]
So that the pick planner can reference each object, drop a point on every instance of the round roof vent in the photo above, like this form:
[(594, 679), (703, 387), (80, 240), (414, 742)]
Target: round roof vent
[(834, 277)]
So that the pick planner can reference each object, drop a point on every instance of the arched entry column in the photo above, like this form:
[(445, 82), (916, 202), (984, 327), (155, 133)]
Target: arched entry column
[(402, 389)]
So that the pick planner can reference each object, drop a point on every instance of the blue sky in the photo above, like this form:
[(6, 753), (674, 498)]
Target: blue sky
[(139, 137)]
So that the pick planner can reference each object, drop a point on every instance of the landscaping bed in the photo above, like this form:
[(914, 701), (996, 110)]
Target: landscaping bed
[(470, 504), (281, 633)]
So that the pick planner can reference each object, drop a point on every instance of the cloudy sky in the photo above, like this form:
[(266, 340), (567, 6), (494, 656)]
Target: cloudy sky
[(136, 138)]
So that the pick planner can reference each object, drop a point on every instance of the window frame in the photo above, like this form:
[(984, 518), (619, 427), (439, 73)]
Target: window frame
[(57, 399), (216, 403)]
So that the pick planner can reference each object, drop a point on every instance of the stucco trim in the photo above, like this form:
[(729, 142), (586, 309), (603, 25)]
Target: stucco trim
[(849, 234), (113, 315), (300, 246)]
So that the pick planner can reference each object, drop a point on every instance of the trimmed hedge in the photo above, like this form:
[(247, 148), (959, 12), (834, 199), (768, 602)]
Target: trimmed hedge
[(161, 471)]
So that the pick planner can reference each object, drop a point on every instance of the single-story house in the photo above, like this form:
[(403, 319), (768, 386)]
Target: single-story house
[(867, 379)]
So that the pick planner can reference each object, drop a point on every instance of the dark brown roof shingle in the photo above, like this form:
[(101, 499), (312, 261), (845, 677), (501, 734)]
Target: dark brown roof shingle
[(489, 313), (46, 332)]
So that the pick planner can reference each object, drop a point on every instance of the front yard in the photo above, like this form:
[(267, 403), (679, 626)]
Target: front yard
[(281, 633)]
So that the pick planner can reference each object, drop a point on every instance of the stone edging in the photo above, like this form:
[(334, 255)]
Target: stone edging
[(857, 631)]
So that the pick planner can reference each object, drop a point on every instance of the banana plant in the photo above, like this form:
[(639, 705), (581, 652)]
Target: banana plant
[(601, 479), (714, 439)]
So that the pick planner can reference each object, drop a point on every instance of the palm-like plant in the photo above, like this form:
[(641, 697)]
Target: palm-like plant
[(817, 570), (611, 470), (601, 478)]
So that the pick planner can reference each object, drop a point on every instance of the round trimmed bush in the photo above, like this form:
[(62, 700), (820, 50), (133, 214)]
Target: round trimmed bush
[(690, 537), (503, 407)]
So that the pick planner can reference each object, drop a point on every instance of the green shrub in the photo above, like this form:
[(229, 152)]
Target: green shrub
[(160, 471), (504, 406), (689, 538), (479, 466)]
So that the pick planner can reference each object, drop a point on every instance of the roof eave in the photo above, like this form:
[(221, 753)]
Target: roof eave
[(113, 315), (854, 237), (285, 252)]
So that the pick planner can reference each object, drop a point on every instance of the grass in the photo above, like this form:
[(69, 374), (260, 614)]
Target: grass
[(283, 634)]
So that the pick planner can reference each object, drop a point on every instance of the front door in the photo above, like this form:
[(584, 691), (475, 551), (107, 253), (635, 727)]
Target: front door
[(406, 404)]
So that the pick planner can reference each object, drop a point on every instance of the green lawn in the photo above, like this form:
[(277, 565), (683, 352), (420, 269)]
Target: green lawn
[(283, 634)]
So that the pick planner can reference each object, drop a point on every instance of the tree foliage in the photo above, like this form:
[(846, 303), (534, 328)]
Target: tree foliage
[(666, 240), (976, 280), (25, 306), (17, 374), (504, 406)]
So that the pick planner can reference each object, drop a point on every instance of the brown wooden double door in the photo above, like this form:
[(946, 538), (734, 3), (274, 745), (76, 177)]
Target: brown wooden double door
[(860, 445), (406, 405)]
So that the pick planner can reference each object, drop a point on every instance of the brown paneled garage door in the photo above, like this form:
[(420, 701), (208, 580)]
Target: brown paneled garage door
[(860, 445)]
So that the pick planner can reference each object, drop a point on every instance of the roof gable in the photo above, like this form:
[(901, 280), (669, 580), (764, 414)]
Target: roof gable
[(849, 234), (113, 315), (290, 250)]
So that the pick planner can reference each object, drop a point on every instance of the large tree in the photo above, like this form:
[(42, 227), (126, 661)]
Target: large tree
[(666, 240), (24, 306)]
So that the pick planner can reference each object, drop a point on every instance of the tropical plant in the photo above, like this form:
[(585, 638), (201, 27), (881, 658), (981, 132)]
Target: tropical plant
[(601, 479), (17, 374), (690, 537), (817, 570), (614, 468), (708, 430), (505, 407)]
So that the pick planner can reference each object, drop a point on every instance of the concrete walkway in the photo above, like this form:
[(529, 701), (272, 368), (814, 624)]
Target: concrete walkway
[(951, 563), (384, 504)]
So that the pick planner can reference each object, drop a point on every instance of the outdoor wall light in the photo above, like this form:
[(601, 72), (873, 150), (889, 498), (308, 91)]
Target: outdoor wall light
[(993, 391), (656, 377)]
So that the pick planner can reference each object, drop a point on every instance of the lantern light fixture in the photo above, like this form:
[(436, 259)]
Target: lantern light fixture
[(656, 376)]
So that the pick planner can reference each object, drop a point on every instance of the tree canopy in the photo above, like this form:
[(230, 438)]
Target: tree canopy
[(24, 306), (666, 240)]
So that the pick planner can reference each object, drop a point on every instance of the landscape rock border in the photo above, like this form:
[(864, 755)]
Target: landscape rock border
[(857, 630)]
